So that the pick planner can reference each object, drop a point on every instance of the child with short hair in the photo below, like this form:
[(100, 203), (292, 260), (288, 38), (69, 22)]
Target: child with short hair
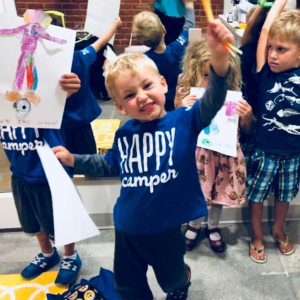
[(32, 193), (275, 164), (222, 178), (154, 157), (149, 31)]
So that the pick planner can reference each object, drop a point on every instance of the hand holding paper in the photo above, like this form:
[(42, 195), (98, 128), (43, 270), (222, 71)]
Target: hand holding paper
[(70, 83), (65, 157)]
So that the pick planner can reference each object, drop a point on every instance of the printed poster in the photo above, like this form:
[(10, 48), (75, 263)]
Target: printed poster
[(221, 134), (34, 56), (100, 16)]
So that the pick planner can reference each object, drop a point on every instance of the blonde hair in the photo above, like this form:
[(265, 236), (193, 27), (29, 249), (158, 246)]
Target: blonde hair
[(129, 61), (147, 29), (287, 26), (194, 66)]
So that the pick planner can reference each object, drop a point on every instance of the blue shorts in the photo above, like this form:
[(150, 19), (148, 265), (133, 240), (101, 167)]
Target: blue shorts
[(276, 172)]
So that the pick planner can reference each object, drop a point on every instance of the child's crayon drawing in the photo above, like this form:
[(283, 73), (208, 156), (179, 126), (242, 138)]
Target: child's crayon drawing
[(33, 30)]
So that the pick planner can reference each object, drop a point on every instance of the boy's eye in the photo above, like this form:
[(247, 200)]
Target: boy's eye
[(129, 96), (147, 86), (281, 49), (206, 75)]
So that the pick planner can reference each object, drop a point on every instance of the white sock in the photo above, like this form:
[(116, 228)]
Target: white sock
[(190, 234), (214, 236), (48, 255), (71, 256)]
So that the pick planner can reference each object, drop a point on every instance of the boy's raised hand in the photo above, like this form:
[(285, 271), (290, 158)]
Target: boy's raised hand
[(244, 110), (66, 158), (218, 36), (117, 23)]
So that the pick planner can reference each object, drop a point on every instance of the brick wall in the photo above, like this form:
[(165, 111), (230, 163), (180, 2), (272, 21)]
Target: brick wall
[(75, 12)]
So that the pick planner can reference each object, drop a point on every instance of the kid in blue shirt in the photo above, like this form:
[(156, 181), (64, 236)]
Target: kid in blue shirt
[(275, 163), (82, 108), (153, 154), (32, 193), (149, 31)]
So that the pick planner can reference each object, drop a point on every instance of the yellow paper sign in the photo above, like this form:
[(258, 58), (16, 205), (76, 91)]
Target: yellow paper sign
[(104, 132), (15, 287)]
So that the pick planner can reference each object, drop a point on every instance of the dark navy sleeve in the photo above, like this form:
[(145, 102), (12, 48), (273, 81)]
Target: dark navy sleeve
[(53, 137), (86, 57), (264, 74), (189, 117), (112, 155), (178, 47)]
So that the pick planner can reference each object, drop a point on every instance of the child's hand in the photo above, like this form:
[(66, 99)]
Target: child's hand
[(66, 158), (189, 100), (117, 23), (244, 110), (70, 83), (218, 36)]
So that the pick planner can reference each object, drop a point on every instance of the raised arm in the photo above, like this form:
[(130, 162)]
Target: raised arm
[(101, 42), (13, 31), (44, 35), (190, 15), (254, 25), (262, 49), (214, 97)]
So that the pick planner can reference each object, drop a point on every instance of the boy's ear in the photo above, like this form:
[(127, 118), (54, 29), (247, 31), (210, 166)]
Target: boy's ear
[(164, 30), (120, 108), (164, 84)]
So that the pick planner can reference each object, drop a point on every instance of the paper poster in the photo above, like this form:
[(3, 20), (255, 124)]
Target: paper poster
[(100, 16), (221, 134), (34, 56), (195, 35), (8, 7), (72, 223)]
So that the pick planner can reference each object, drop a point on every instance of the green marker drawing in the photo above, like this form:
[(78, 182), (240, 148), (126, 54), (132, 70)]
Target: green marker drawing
[(207, 142)]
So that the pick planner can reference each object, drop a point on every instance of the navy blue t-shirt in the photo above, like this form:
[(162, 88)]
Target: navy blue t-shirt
[(278, 117), (160, 184), (169, 62), (20, 145), (82, 108)]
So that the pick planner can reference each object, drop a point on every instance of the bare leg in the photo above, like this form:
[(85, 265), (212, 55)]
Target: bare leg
[(280, 213), (45, 243), (256, 215), (70, 249)]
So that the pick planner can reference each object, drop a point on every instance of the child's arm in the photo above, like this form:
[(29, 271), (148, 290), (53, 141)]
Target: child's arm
[(45, 35), (91, 165), (254, 25), (189, 16), (247, 122), (214, 97), (101, 42), (261, 54)]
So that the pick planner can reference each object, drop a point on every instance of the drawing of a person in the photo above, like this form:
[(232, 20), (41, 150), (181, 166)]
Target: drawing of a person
[(36, 22)]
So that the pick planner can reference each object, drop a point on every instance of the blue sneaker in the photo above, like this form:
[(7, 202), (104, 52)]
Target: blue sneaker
[(68, 271), (40, 265)]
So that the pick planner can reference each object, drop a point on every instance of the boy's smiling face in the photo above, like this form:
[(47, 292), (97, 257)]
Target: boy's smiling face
[(282, 55), (141, 95)]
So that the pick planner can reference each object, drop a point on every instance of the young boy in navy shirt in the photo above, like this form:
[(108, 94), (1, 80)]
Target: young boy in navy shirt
[(154, 155), (275, 164), (149, 31), (82, 108), (32, 194)]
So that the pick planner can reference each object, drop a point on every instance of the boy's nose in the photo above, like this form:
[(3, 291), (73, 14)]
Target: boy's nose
[(142, 97), (273, 54)]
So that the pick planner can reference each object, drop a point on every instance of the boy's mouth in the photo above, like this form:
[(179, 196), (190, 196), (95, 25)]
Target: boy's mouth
[(147, 107)]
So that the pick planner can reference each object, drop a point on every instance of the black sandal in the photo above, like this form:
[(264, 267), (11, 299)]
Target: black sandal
[(190, 244), (217, 246)]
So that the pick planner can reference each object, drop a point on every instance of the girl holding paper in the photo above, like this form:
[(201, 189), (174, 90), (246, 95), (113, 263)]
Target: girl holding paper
[(222, 177)]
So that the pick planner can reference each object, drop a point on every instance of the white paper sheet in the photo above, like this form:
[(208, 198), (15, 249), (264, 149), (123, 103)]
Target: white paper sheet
[(8, 7), (100, 16), (72, 223), (109, 54), (52, 61), (221, 134), (195, 34)]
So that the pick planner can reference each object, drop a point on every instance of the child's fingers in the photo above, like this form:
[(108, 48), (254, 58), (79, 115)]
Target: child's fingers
[(58, 149)]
